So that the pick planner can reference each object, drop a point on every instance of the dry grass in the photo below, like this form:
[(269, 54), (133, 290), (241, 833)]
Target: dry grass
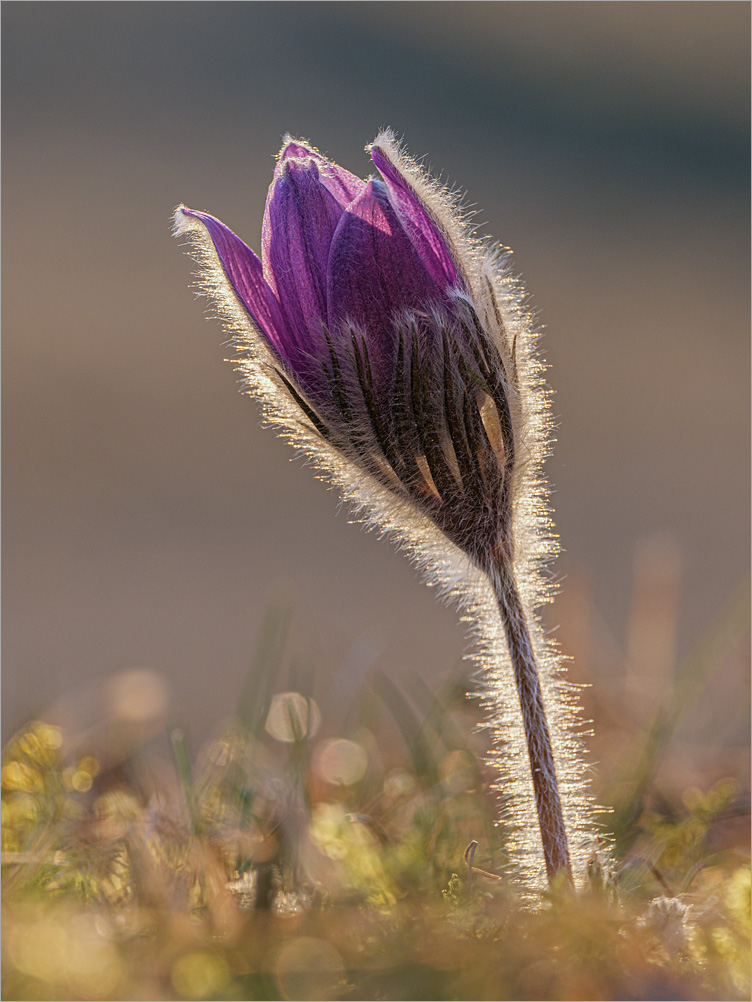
[(303, 857)]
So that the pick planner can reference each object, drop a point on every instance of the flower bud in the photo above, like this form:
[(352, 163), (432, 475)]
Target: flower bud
[(365, 304)]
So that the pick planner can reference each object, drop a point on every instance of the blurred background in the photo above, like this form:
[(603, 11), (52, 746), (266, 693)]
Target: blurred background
[(148, 518)]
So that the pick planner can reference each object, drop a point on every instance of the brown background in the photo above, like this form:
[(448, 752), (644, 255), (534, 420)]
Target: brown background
[(147, 517)]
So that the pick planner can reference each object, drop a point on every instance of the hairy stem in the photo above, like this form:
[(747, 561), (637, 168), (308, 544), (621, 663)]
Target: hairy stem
[(537, 734)]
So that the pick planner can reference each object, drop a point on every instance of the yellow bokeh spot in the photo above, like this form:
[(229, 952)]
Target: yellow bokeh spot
[(328, 830), (341, 762), (19, 776), (199, 974), (738, 890), (399, 783), (292, 717), (51, 737), (89, 764), (39, 948), (81, 781)]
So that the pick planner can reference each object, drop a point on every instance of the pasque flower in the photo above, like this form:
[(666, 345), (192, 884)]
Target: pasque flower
[(395, 348), (367, 311)]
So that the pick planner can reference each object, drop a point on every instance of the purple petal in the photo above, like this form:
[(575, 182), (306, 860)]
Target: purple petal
[(244, 271), (340, 183), (299, 223), (374, 272), (419, 223)]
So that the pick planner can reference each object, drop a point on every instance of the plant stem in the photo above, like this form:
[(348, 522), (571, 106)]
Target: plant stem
[(537, 734)]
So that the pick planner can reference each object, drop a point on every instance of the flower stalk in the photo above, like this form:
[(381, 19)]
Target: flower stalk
[(535, 722), (395, 348)]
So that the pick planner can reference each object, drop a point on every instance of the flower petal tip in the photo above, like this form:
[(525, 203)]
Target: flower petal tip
[(296, 149), (386, 154), (183, 219), (386, 140)]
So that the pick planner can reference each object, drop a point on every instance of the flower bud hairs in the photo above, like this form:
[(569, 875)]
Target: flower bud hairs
[(394, 347)]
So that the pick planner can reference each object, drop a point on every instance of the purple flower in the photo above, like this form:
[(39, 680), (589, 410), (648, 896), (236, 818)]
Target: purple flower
[(338, 253), (395, 348), (363, 299)]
